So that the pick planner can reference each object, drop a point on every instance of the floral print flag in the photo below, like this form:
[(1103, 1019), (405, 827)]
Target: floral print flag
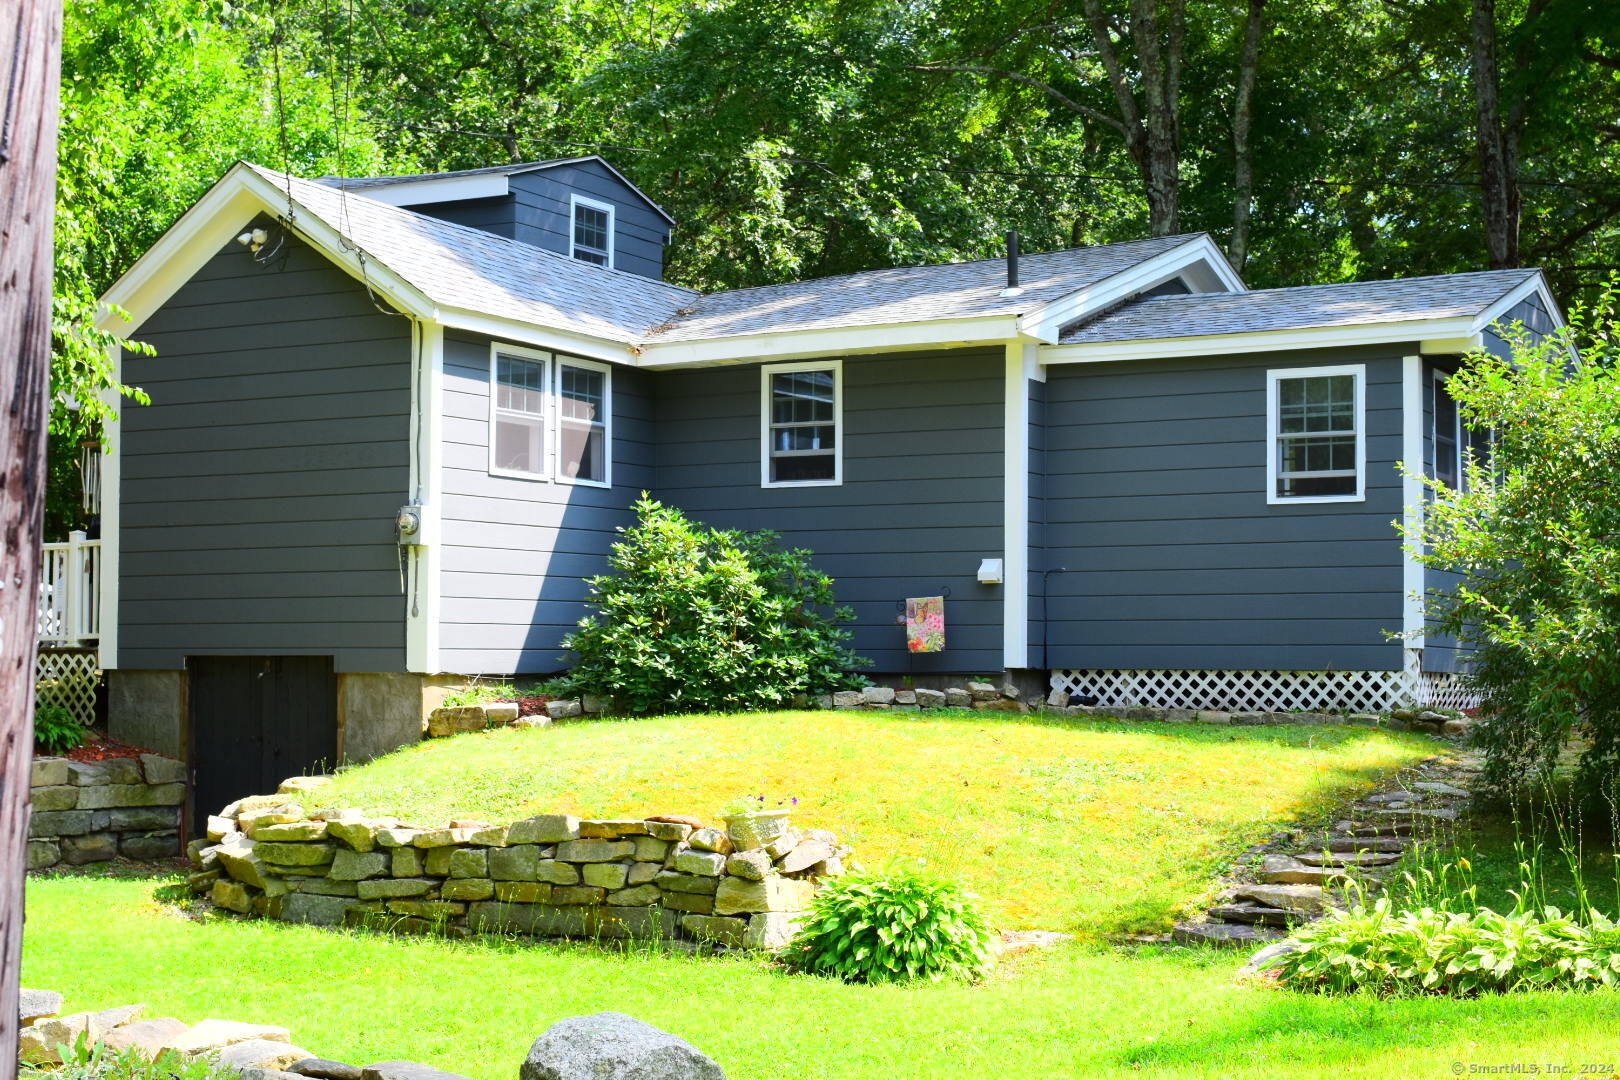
[(925, 624)]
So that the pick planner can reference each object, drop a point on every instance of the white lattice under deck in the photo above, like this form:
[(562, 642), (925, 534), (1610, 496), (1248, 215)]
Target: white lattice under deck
[(1267, 691), (69, 678)]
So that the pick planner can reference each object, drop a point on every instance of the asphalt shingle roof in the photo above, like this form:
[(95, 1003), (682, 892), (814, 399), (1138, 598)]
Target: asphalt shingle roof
[(907, 293), (467, 268), (1305, 307), (360, 183)]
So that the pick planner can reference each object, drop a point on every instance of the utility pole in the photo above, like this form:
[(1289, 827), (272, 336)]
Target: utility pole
[(30, 65)]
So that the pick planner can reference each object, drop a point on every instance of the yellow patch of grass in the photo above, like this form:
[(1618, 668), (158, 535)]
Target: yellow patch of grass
[(1089, 826)]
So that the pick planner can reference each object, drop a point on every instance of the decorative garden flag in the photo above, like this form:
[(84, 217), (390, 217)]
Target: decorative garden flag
[(925, 624)]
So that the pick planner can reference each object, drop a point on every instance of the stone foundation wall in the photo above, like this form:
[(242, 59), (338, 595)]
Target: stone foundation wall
[(668, 878), (92, 811)]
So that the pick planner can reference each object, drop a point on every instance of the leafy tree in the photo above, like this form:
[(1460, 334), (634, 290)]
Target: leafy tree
[(703, 619), (1534, 534)]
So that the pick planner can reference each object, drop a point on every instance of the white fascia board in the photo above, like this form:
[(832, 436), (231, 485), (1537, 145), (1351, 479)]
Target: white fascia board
[(440, 189), (212, 221), (1046, 322), (540, 337), (834, 341), (1424, 330), (1536, 286)]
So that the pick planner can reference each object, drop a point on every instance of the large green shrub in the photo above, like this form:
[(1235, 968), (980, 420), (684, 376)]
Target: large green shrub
[(1531, 535), (694, 618), (1452, 952), (892, 927)]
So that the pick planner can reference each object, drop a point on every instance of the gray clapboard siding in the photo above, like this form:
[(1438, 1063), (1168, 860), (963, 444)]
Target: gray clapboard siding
[(920, 504), (1155, 501), (537, 212), (516, 552), (259, 487), (1440, 651)]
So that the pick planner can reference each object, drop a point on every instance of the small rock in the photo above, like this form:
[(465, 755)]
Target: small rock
[(930, 699), (149, 1037), (502, 712), (1269, 955), (1227, 934), (711, 840), (1394, 797), (405, 1070), (806, 855), (34, 1004), (957, 698), (1436, 787), (612, 1046), (218, 1034), (981, 691), (562, 710), (878, 695), (261, 1054), (753, 865), (771, 930), (324, 1069), (847, 699), (1457, 727), (905, 697)]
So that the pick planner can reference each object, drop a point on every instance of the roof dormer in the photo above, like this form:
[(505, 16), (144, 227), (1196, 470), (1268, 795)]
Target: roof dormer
[(582, 207)]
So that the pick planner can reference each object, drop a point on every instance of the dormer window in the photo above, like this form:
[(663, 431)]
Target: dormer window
[(592, 230)]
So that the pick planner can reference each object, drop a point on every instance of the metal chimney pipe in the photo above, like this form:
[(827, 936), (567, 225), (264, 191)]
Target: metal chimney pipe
[(1012, 258)]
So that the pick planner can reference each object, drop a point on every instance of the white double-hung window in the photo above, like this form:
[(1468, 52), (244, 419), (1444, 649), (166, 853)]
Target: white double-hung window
[(591, 230), (583, 417), (801, 424), (1316, 434), (550, 417), (518, 407)]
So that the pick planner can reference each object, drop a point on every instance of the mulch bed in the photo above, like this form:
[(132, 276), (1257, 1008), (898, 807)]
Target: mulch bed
[(101, 747), (532, 706)]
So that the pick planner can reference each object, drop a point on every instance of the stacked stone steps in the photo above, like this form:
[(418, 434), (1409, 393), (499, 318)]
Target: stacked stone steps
[(1348, 860)]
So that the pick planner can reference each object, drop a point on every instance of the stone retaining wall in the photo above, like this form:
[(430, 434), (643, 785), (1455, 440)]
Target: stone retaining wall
[(666, 878), (92, 811)]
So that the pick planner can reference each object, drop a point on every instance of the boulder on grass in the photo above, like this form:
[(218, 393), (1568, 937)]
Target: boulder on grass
[(33, 1004), (613, 1046), (262, 1054)]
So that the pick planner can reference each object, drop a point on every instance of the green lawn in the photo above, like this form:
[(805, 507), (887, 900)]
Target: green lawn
[(1095, 827), (1079, 1011)]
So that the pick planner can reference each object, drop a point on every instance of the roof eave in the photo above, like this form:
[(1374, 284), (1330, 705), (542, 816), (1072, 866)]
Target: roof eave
[(1434, 336), (831, 341)]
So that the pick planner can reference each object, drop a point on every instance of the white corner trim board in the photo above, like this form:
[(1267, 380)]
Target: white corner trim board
[(1021, 360), (111, 493), (1412, 498), (423, 586)]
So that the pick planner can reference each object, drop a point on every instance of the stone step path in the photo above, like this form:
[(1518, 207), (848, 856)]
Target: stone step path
[(1302, 873)]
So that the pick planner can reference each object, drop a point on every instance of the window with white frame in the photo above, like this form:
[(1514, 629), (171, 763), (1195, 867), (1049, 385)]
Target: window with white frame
[(518, 407), (802, 422), (583, 413), (1317, 432), (550, 417), (591, 229), (1448, 441)]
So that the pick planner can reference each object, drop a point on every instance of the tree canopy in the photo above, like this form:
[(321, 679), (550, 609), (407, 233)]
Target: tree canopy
[(1318, 142)]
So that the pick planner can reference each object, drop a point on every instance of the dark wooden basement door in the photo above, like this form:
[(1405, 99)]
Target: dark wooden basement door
[(255, 721)]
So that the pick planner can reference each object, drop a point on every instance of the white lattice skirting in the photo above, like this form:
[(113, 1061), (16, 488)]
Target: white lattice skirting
[(1267, 691), (68, 678)]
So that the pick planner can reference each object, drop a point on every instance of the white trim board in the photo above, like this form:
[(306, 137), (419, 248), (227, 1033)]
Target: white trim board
[(1020, 361), (425, 579), (1412, 499), (416, 192), (1275, 375), (111, 514)]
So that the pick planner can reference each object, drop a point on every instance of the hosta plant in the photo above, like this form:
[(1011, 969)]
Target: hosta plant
[(1459, 953), (893, 926)]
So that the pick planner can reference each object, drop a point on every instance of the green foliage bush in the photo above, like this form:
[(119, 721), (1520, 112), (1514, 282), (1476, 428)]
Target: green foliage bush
[(99, 1063), (892, 927), (56, 730), (1531, 538), (482, 693), (695, 618), (1459, 953)]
